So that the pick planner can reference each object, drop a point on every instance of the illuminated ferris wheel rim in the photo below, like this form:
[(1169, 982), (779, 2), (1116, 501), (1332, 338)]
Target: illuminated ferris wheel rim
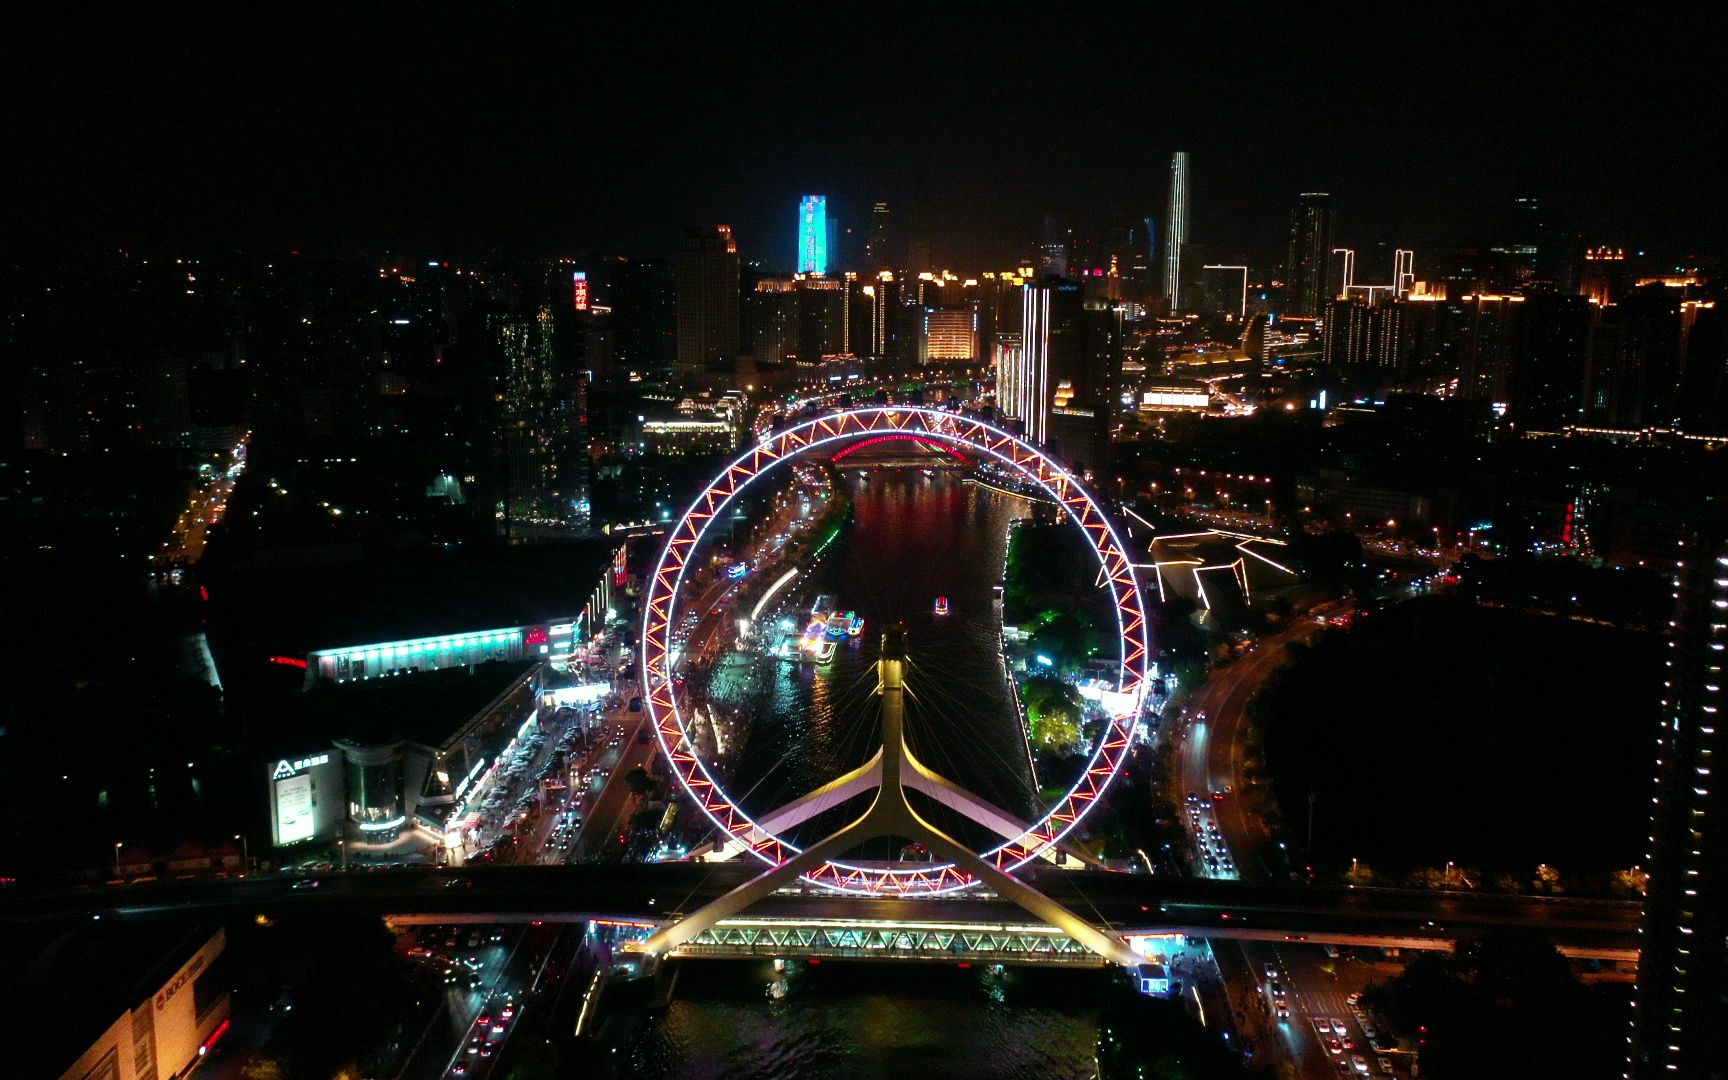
[(660, 614)]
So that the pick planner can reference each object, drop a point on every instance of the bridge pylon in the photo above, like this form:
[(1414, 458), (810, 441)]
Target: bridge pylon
[(890, 772)]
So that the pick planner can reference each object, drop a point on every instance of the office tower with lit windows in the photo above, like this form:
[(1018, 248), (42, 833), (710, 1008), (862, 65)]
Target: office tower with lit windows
[(707, 276), (1175, 230), (1070, 364), (1313, 225), (813, 234), (948, 334), (1679, 1026)]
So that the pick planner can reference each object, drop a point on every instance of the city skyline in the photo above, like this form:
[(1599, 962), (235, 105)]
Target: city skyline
[(499, 509)]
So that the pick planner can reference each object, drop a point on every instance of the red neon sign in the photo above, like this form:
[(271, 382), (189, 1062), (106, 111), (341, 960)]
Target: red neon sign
[(289, 661)]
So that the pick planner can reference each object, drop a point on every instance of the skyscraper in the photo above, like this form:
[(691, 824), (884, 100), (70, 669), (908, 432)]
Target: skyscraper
[(1403, 272), (1053, 248), (1680, 1007), (876, 249), (1313, 224), (1069, 364), (1176, 229), (813, 234), (707, 269)]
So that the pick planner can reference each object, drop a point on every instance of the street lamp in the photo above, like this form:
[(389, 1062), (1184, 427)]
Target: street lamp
[(117, 858), (245, 854)]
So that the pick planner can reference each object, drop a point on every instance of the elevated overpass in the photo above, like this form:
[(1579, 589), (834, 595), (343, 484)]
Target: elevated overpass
[(659, 895)]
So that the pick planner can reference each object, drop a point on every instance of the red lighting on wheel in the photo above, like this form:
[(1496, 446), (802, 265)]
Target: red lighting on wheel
[(861, 427)]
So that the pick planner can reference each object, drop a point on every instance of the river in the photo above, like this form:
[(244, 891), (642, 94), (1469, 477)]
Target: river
[(915, 537)]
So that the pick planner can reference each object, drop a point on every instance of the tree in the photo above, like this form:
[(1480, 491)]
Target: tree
[(1052, 712), (640, 783), (1360, 873), (1633, 881)]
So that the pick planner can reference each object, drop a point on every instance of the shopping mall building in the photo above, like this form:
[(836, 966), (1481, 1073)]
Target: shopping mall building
[(382, 744)]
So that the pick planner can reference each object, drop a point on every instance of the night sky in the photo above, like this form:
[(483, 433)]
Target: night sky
[(542, 130)]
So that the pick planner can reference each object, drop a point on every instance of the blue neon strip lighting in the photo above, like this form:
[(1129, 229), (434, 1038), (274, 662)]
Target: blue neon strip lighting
[(813, 234)]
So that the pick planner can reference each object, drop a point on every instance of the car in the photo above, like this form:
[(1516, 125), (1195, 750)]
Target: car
[(1217, 796), (1349, 1043), (1386, 1066), (1338, 1027), (1322, 1027), (1344, 1069), (484, 1020), (1271, 971), (508, 1010), (1334, 1046), (1353, 999), (1282, 1009), (459, 1069), (1360, 1062), (1277, 989), (309, 883), (459, 883), (497, 1027)]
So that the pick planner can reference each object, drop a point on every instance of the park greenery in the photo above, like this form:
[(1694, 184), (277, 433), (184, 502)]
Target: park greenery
[(1053, 712), (1049, 593)]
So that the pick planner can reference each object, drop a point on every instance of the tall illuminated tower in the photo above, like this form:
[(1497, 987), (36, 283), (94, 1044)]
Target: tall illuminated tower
[(1176, 229), (813, 234), (1313, 224), (1679, 1024)]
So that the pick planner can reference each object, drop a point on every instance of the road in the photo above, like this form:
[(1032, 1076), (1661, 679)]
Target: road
[(1211, 753)]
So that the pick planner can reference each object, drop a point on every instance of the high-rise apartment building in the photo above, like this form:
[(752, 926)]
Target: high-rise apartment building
[(824, 325), (540, 386), (1313, 225), (1679, 1026), (813, 234), (641, 296), (1358, 334), (707, 274), (774, 320), (1550, 346), (1485, 366), (1175, 230), (1633, 379)]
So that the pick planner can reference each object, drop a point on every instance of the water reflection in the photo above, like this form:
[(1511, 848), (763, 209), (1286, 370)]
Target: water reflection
[(914, 538)]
